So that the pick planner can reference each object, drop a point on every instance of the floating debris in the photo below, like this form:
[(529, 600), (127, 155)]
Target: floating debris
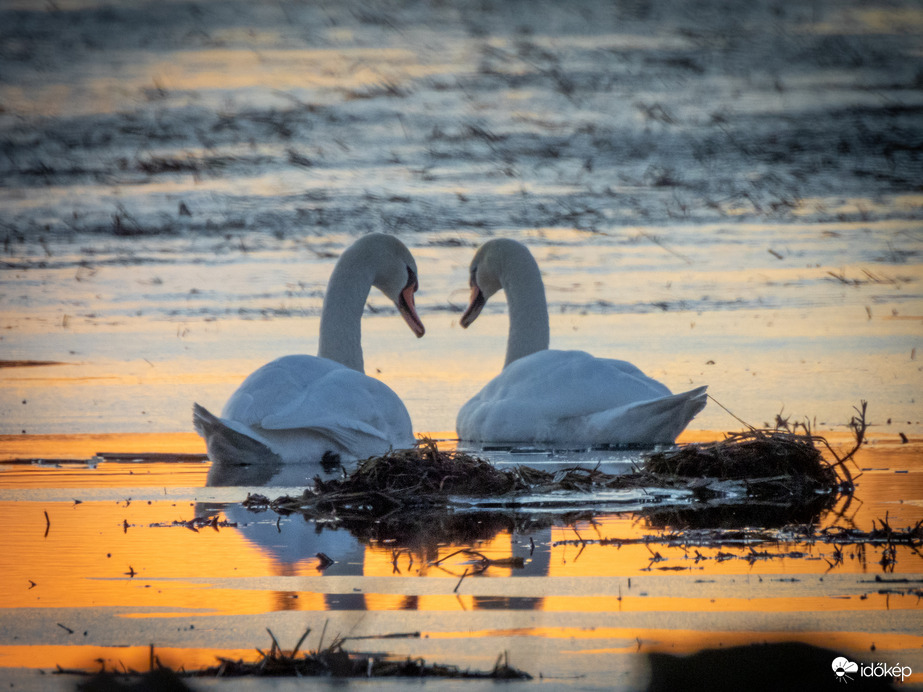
[(332, 661), (336, 661), (765, 465), (761, 464), (789, 542), (768, 460), (418, 477), (413, 498), (428, 471), (197, 523), (751, 454)]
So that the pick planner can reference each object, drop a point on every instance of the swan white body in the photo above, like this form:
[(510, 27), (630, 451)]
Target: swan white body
[(559, 397), (297, 408)]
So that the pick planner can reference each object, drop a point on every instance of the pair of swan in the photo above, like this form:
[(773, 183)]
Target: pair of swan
[(300, 408)]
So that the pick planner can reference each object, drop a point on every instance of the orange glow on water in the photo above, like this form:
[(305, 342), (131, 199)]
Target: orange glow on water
[(726, 605), (138, 658), (117, 553), (94, 554), (86, 446)]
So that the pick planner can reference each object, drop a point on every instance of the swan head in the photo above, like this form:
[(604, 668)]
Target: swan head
[(395, 275), (495, 262)]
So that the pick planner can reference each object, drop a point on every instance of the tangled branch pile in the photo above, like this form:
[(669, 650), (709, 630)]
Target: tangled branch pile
[(750, 454), (764, 464), (333, 661), (338, 662), (426, 471), (782, 455), (422, 476), (777, 466)]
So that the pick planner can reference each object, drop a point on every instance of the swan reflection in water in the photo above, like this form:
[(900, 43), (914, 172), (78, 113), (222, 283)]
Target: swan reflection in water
[(288, 541), (417, 539), (411, 541)]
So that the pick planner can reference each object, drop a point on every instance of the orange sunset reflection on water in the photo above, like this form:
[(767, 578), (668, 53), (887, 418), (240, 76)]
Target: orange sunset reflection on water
[(125, 553)]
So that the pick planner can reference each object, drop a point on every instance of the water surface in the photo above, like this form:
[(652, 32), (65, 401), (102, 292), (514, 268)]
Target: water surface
[(725, 195)]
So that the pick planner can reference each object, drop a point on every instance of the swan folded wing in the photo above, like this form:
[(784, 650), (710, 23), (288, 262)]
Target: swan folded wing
[(658, 421), (574, 397), (347, 407), (655, 421), (274, 386), (294, 399), (514, 419), (563, 384)]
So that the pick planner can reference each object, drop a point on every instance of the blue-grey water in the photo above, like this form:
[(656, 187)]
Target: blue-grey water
[(724, 197)]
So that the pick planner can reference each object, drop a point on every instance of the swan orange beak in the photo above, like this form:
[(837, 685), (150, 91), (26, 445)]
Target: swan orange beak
[(407, 309), (475, 303)]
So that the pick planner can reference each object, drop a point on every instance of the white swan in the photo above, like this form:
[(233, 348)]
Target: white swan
[(297, 408), (548, 396)]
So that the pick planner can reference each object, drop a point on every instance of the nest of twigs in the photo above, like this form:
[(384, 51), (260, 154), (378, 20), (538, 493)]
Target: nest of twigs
[(768, 464), (750, 454), (422, 477), (424, 471), (755, 464), (384, 488), (778, 455), (775, 465)]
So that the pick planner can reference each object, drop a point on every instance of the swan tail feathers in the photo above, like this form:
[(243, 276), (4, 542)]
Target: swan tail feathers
[(226, 444), (658, 421), (203, 420)]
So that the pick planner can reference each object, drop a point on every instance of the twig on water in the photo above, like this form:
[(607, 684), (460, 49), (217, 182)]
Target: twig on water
[(275, 644), (464, 574), (858, 425), (734, 415), (657, 241), (320, 644)]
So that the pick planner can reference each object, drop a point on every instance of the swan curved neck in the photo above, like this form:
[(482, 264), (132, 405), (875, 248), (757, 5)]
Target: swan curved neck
[(341, 317), (528, 310)]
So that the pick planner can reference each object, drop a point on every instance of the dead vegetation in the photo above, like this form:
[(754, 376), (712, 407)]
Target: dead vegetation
[(767, 458), (793, 541), (330, 661), (415, 499), (752, 454), (422, 476), (336, 661), (776, 479), (780, 464), (425, 471)]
